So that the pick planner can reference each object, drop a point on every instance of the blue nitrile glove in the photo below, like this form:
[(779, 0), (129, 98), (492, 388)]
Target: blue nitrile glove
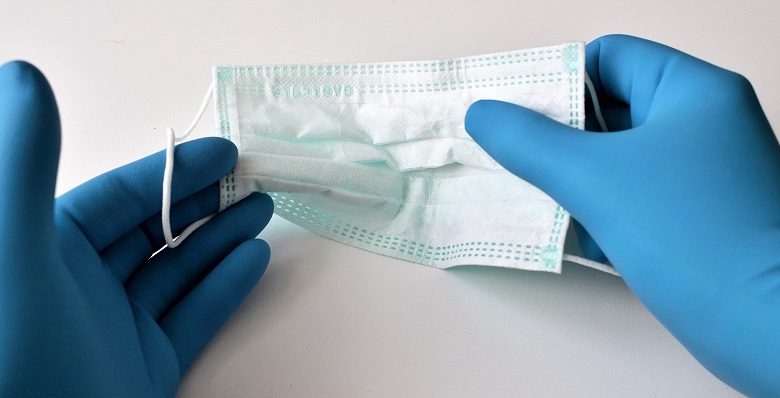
[(684, 198), (84, 312)]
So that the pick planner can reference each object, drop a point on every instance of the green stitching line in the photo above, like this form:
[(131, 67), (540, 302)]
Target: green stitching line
[(532, 78), (417, 251), (300, 70), (228, 183), (570, 57), (550, 257)]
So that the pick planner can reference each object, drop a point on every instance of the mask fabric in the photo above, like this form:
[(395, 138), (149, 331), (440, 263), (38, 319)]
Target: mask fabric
[(375, 155)]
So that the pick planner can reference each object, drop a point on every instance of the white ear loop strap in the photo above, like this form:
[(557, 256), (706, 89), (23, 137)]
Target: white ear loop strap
[(589, 263), (171, 141), (596, 105)]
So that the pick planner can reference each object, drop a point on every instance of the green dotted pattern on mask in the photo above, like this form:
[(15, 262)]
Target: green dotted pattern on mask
[(399, 247), (546, 257), (533, 78), (570, 56), (308, 70), (227, 185)]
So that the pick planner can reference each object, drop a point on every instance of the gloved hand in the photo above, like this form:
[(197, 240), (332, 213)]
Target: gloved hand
[(84, 311), (683, 198)]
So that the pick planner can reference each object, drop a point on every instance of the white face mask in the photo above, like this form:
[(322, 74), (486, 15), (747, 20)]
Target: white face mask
[(376, 155)]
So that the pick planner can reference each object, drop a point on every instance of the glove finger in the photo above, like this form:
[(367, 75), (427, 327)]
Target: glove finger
[(29, 152), (636, 78), (127, 253), (194, 321), (111, 205), (184, 213), (556, 158), (173, 272)]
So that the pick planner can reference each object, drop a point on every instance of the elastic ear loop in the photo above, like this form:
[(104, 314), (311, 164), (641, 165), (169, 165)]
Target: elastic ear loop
[(596, 105), (171, 141), (603, 125)]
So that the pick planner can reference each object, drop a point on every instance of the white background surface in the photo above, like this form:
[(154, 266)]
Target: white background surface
[(330, 320)]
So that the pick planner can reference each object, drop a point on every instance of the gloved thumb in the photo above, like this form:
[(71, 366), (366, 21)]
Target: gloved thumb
[(552, 156), (29, 153)]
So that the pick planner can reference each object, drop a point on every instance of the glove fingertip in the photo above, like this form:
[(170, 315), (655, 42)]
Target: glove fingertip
[(480, 114), (29, 146), (219, 151), (259, 251)]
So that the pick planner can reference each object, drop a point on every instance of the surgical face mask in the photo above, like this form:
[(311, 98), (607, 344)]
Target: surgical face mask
[(375, 155)]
